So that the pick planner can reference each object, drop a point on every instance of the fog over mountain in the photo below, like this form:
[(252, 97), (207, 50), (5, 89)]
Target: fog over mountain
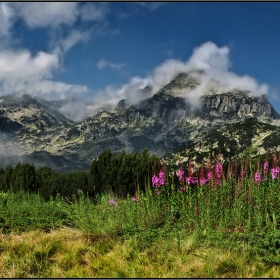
[(213, 60)]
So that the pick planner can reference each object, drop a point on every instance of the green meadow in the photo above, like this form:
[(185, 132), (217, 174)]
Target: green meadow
[(226, 225)]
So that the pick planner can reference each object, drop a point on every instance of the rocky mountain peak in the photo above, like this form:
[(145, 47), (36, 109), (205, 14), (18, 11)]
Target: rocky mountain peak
[(121, 105), (183, 83)]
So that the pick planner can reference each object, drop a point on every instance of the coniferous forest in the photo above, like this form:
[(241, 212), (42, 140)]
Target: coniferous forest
[(117, 173)]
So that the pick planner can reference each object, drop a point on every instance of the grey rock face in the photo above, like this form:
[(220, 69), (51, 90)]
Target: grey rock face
[(237, 104)]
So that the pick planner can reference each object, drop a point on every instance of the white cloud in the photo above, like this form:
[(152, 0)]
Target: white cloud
[(209, 57), (106, 64), (6, 18), (52, 90), (76, 110), (94, 11), (53, 14), (60, 16), (19, 71), (73, 38), (47, 14), (19, 66), (215, 62)]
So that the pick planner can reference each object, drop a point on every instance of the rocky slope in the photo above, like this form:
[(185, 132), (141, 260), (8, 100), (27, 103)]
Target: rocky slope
[(168, 123), (247, 138)]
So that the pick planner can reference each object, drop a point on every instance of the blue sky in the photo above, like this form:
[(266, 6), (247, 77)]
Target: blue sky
[(101, 51)]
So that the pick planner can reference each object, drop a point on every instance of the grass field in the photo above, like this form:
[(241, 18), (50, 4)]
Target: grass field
[(213, 224), (206, 231)]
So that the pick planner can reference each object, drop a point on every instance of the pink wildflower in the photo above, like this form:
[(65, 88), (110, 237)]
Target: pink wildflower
[(155, 180), (265, 167), (209, 175), (218, 170), (202, 181), (265, 170), (192, 180), (181, 175), (112, 201), (274, 172), (161, 178), (257, 177)]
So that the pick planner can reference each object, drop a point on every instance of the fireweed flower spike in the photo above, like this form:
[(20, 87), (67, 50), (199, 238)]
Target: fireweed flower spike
[(218, 170), (265, 167), (155, 180), (275, 172), (158, 181), (192, 180), (218, 173), (209, 175), (181, 175), (161, 178), (202, 181), (257, 177), (265, 170)]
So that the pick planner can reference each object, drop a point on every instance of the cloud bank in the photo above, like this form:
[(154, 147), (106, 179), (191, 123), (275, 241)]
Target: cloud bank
[(210, 58)]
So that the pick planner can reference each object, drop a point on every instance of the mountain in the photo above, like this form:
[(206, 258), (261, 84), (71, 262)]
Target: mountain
[(173, 123)]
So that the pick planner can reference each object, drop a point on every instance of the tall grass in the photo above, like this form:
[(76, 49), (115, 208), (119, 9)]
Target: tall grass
[(22, 211)]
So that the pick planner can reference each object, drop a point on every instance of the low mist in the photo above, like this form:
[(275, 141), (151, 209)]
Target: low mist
[(10, 152)]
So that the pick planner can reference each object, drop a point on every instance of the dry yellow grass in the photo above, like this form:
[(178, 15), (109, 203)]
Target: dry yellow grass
[(70, 253)]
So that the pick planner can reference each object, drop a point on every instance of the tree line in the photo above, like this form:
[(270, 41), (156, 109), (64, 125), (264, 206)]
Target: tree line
[(119, 173)]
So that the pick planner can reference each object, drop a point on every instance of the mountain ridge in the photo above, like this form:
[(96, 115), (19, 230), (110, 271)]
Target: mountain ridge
[(165, 122)]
